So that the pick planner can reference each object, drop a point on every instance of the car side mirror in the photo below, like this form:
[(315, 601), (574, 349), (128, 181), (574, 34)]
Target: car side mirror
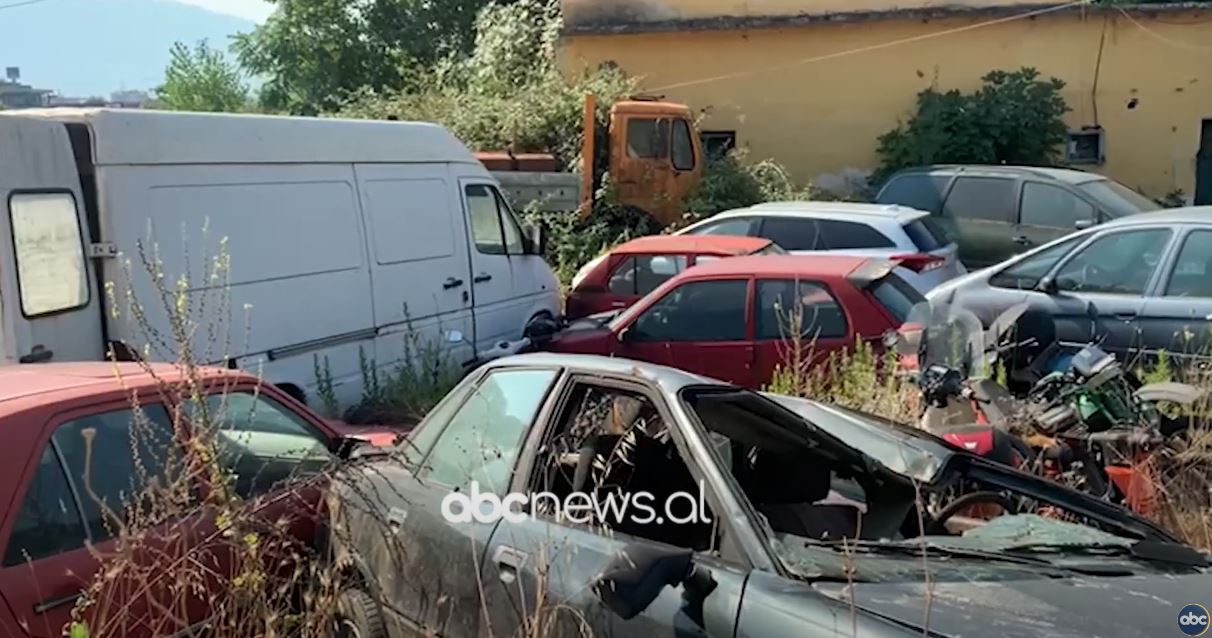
[(624, 335), (1083, 224), (1048, 286), (637, 575), (536, 239)]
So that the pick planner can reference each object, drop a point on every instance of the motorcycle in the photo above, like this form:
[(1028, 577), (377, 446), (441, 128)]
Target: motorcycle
[(1095, 425), (961, 401)]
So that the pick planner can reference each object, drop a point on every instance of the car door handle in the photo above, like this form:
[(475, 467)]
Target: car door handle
[(618, 304), (483, 277), (37, 354), (1022, 240), (1125, 316), (452, 282), (509, 561), (395, 518), (52, 603)]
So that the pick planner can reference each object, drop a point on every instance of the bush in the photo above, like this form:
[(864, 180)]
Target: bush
[(509, 92), (1014, 118)]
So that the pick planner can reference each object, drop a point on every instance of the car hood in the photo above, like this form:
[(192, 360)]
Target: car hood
[(1124, 607)]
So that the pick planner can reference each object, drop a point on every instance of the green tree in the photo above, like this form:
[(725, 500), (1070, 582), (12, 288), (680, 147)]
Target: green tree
[(202, 79), (315, 54), (1014, 118)]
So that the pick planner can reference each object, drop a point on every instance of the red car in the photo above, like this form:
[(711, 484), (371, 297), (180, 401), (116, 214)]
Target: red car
[(57, 418), (728, 319), (622, 276)]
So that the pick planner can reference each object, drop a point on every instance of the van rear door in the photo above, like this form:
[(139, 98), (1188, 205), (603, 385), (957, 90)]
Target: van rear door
[(49, 303)]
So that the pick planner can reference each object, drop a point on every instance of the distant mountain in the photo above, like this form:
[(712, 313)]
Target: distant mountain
[(94, 47)]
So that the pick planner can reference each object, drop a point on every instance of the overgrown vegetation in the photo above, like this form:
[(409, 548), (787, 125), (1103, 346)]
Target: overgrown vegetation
[(1014, 118), (202, 79)]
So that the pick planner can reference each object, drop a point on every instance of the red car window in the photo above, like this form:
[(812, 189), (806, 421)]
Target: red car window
[(49, 522), (783, 305), (639, 275), (261, 443), (696, 311)]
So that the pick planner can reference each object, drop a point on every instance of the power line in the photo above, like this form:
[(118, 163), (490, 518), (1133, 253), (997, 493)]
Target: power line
[(23, 3), (873, 47), (1163, 39)]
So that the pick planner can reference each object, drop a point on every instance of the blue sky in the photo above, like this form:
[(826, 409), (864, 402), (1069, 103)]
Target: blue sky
[(98, 46), (254, 10)]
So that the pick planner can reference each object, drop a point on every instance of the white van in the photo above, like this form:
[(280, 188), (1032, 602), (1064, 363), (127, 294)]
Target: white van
[(333, 228)]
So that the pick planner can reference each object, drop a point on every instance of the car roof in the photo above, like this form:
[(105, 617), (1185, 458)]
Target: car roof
[(1187, 215), (670, 378), (78, 379), (711, 244), (1067, 175), (780, 266), (854, 211), (916, 456)]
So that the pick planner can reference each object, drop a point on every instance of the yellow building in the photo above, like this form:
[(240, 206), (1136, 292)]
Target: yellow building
[(813, 83)]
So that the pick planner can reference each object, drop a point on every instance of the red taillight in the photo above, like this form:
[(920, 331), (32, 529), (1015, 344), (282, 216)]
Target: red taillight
[(920, 262)]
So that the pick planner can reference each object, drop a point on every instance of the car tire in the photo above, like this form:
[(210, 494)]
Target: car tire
[(357, 616)]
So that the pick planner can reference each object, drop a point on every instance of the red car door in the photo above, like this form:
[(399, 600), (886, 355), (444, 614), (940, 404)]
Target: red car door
[(796, 323), (83, 471), (701, 326)]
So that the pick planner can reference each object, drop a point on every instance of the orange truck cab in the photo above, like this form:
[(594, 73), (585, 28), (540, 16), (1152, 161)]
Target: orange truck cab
[(655, 156), (655, 162)]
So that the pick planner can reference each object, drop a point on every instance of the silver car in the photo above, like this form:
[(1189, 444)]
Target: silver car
[(873, 230)]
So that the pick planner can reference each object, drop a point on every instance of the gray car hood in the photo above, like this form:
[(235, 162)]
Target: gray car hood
[(1125, 607)]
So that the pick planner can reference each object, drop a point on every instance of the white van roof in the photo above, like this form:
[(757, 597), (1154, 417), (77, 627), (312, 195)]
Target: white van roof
[(138, 136)]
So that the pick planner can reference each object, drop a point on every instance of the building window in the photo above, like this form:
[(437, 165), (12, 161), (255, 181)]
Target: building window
[(1085, 146), (717, 144)]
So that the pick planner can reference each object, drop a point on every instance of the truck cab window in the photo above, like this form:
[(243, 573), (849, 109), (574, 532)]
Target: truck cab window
[(647, 138), (683, 149), (49, 248)]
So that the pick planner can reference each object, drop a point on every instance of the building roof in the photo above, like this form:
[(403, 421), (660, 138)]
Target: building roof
[(780, 266), (129, 136), (653, 16), (703, 244)]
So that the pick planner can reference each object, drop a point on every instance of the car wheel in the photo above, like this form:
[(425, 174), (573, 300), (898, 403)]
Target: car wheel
[(357, 616)]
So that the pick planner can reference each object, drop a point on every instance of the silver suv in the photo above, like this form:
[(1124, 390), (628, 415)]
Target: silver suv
[(927, 257)]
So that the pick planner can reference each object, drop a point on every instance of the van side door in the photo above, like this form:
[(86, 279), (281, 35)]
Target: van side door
[(50, 303), (495, 242), (420, 272), (1048, 212), (984, 210)]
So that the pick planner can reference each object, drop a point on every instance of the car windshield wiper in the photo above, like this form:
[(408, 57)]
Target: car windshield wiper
[(917, 549), (1149, 551)]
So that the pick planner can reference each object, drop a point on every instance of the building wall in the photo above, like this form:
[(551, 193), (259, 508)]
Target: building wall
[(581, 13), (794, 94)]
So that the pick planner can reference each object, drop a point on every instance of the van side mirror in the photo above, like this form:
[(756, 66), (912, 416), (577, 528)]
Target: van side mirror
[(1083, 224), (638, 574), (536, 239)]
